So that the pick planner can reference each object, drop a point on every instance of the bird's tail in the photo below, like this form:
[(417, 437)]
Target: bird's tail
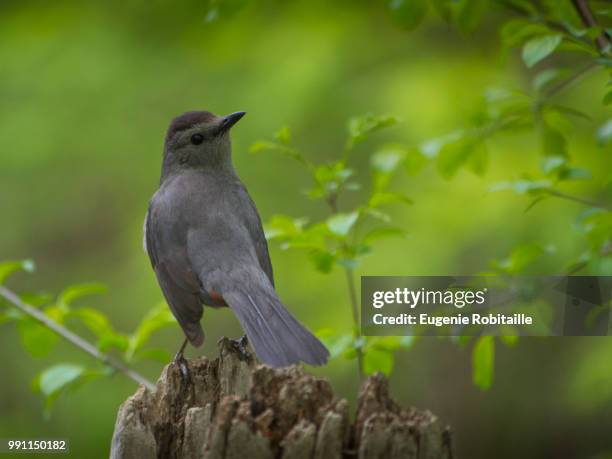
[(276, 336)]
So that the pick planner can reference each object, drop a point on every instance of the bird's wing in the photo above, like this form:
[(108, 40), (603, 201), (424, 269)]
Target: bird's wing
[(180, 288), (253, 223)]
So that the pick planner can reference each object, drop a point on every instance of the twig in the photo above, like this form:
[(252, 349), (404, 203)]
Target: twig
[(580, 200), (332, 202), (538, 18), (354, 306), (588, 18), (573, 78), (73, 338)]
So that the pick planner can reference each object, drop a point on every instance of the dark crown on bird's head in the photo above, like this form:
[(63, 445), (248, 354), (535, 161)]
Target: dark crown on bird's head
[(187, 120)]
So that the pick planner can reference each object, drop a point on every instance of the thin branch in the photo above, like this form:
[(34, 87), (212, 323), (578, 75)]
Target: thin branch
[(580, 200), (355, 308), (572, 79), (539, 18), (332, 202), (73, 338), (588, 19)]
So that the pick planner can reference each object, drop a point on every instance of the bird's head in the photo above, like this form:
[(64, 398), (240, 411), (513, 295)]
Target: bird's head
[(198, 139)]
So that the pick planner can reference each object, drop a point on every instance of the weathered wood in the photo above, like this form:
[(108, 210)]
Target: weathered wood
[(233, 407)]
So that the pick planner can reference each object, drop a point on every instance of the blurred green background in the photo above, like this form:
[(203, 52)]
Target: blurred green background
[(87, 91)]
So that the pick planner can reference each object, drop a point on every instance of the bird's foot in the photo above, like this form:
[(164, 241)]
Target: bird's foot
[(240, 345), (181, 362)]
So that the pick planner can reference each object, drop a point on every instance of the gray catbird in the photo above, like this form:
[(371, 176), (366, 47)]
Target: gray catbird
[(207, 247)]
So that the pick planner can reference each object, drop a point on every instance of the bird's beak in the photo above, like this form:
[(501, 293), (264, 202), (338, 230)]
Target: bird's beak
[(230, 120)]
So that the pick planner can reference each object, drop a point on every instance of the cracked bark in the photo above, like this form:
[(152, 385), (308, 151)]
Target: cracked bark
[(235, 408)]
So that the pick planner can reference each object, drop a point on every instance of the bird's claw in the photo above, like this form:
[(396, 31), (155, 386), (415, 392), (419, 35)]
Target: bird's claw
[(240, 345), (181, 362)]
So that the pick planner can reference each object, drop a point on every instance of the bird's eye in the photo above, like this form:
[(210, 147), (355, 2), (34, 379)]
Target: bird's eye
[(197, 139)]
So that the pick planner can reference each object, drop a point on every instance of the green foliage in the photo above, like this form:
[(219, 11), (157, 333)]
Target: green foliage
[(55, 380), (521, 258), (156, 319), (40, 341), (9, 267), (408, 13), (543, 34), (483, 360), (360, 127), (36, 339), (539, 48), (540, 32), (336, 240)]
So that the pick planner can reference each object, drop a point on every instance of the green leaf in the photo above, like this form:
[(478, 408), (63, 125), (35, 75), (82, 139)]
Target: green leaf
[(444, 8), (113, 341), (414, 161), (520, 258), (337, 343), (260, 146), (99, 324), (361, 127), (37, 340), (57, 377), (408, 13), (377, 360), (9, 267), (156, 319), (553, 142), (72, 293), (543, 79), (509, 340), (596, 224), (383, 343), (431, 148), (470, 14), (575, 173), (539, 48), (312, 237), (323, 260), (523, 186), (515, 31), (377, 214), (10, 315), (381, 198), (478, 162), (387, 160), (341, 224), (552, 164), (604, 133), (93, 319), (283, 136), (565, 13), (281, 147), (329, 179), (383, 233), (483, 360), (283, 227), (56, 380), (465, 150), (384, 163), (349, 263)]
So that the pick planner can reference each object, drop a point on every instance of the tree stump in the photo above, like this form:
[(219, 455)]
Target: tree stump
[(233, 407)]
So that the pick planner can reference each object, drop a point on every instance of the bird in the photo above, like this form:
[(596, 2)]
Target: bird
[(206, 244)]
